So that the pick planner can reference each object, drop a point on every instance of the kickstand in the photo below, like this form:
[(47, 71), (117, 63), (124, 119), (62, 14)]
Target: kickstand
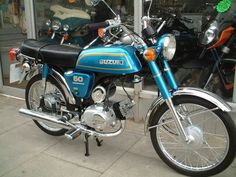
[(86, 141), (99, 142)]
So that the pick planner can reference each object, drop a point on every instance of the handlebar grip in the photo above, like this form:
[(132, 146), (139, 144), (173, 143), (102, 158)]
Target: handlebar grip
[(95, 26)]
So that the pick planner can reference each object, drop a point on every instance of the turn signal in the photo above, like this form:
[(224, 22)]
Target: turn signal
[(50, 32), (225, 35), (72, 1), (150, 54), (12, 53), (66, 37), (101, 32)]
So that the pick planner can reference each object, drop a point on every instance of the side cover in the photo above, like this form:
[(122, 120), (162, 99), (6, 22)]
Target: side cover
[(115, 59), (80, 83)]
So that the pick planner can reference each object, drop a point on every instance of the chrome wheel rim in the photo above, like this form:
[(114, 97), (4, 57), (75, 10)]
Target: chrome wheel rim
[(34, 95), (208, 152)]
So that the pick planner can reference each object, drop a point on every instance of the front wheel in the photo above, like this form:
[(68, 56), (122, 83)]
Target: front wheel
[(212, 132)]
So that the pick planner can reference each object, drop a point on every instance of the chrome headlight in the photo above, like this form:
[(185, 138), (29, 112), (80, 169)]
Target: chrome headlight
[(66, 27), (209, 35), (56, 25), (169, 46), (48, 23)]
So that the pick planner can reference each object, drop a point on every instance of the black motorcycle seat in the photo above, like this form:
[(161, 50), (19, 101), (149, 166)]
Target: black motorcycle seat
[(53, 54)]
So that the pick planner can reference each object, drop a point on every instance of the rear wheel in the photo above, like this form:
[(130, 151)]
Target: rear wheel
[(212, 148), (53, 100)]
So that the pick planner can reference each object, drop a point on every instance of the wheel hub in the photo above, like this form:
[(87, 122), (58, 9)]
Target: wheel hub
[(195, 135)]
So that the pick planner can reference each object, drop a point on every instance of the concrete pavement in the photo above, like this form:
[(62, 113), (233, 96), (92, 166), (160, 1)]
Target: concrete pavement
[(26, 151)]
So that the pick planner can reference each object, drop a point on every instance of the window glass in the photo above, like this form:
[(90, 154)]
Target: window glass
[(68, 17), (185, 33), (12, 32)]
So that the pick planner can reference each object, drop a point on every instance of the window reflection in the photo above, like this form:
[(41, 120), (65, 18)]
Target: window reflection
[(12, 32), (76, 14), (197, 11)]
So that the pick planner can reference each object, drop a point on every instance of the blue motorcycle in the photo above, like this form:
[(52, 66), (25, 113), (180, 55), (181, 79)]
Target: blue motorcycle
[(70, 88)]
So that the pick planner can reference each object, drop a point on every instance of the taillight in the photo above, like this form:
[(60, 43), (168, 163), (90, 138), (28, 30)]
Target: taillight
[(13, 53)]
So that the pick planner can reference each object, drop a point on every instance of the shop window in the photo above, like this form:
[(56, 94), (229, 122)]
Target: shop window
[(12, 32), (197, 11), (75, 14)]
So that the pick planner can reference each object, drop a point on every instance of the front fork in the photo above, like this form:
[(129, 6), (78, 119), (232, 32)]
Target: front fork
[(166, 94)]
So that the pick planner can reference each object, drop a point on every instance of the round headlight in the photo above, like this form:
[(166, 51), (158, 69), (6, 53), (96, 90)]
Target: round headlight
[(56, 25), (48, 22), (169, 46), (66, 27), (209, 35)]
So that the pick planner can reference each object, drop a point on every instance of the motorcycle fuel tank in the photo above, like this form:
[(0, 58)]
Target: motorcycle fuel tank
[(115, 59)]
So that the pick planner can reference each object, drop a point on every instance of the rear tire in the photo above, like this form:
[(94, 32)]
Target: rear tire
[(192, 160), (32, 87)]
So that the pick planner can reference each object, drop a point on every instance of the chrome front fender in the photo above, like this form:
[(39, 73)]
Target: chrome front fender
[(197, 92)]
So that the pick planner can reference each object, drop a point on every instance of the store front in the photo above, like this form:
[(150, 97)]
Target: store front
[(22, 19)]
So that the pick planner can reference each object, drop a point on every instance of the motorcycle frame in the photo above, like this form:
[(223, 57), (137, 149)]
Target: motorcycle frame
[(158, 77), (218, 59)]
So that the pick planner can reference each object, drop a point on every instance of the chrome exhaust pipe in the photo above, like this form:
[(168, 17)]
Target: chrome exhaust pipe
[(42, 117)]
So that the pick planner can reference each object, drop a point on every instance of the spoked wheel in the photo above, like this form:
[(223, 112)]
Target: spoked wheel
[(212, 132), (54, 99)]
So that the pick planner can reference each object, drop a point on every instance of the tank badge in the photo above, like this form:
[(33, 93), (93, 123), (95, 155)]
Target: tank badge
[(111, 62)]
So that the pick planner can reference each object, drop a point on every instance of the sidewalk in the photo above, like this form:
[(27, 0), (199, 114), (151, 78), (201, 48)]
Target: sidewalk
[(26, 151)]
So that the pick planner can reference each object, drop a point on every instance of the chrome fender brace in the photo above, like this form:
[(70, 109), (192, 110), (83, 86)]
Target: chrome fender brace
[(197, 92), (66, 89)]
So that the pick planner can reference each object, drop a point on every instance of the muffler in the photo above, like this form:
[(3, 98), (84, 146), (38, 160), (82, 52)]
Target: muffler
[(42, 117)]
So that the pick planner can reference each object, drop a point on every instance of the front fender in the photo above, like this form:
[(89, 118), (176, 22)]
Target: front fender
[(197, 92)]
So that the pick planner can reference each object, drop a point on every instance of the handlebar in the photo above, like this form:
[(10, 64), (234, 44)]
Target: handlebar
[(95, 26)]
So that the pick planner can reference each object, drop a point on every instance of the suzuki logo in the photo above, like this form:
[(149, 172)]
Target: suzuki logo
[(78, 79), (111, 62)]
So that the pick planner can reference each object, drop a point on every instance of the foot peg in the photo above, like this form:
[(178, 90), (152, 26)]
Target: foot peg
[(73, 133), (66, 118)]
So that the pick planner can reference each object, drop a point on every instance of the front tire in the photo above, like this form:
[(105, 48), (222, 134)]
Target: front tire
[(212, 150), (32, 96)]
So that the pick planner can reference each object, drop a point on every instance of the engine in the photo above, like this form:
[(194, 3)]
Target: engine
[(105, 115), (50, 102)]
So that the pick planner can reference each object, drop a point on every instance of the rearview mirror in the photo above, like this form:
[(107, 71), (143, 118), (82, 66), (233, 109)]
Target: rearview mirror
[(148, 2)]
